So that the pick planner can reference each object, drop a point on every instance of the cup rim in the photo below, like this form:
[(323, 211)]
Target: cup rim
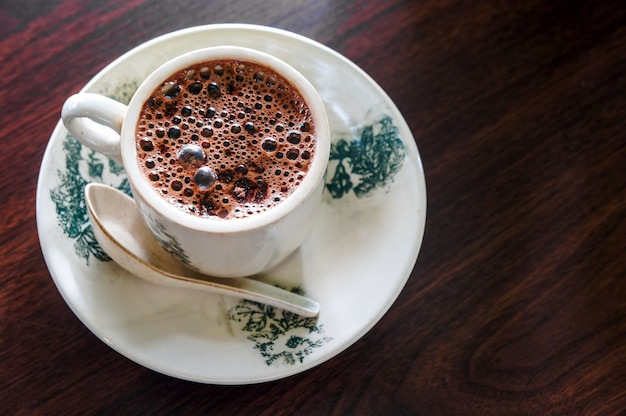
[(315, 174)]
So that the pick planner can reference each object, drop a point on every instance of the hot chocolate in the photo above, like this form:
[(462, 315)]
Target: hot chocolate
[(225, 139)]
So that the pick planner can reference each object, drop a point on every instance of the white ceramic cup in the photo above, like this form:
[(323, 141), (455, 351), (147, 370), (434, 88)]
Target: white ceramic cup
[(225, 248)]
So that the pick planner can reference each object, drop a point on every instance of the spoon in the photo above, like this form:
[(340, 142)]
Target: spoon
[(122, 233)]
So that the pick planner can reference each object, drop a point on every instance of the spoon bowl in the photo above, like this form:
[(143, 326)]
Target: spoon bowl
[(122, 233)]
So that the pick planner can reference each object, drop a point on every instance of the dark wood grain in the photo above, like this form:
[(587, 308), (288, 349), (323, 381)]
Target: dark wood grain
[(517, 304)]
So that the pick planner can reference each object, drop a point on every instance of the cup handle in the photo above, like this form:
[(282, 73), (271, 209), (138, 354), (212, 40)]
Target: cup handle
[(95, 121)]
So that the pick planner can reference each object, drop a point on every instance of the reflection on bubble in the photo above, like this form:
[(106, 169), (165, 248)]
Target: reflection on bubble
[(269, 145), (214, 90), (204, 178), (191, 156), (170, 90)]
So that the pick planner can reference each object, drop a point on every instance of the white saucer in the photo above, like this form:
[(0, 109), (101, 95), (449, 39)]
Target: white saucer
[(355, 263)]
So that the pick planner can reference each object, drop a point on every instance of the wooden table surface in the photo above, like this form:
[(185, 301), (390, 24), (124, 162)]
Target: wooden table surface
[(517, 302)]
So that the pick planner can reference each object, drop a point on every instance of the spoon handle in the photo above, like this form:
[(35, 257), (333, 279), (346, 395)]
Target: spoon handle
[(256, 291)]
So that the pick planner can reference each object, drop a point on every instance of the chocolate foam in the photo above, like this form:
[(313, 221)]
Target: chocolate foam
[(225, 139)]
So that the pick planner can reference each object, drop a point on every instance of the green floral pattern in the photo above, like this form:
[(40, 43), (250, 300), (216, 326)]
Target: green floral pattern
[(69, 198), (279, 336), (83, 166), (370, 161), (168, 242)]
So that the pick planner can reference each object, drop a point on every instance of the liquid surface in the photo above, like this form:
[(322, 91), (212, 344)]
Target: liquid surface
[(225, 139)]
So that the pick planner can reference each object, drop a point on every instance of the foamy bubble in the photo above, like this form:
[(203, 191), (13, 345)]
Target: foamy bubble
[(204, 178), (225, 139), (191, 156)]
